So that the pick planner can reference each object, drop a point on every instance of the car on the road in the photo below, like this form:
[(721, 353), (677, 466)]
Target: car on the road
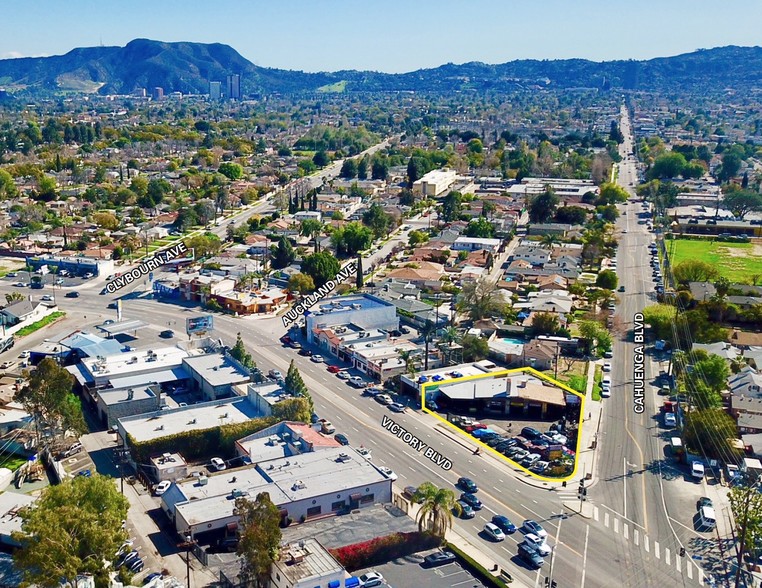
[(73, 294), (396, 407), (218, 464), (621, 289), (167, 334), (24, 354), (11, 275), (103, 291), (19, 284), (471, 500), (357, 382), (47, 298), (698, 470), (162, 487), (275, 374), (531, 526), (468, 485), (343, 375), (504, 523), (466, 512), (317, 358), (88, 275), (704, 501), (341, 438), (370, 579), (334, 369), (304, 352), (383, 399), (606, 366), (530, 556), (537, 543), (285, 339), (494, 532), (670, 420), (438, 558), (295, 345), (388, 472), (108, 322)]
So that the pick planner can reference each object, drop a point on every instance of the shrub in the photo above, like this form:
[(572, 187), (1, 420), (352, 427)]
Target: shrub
[(382, 549)]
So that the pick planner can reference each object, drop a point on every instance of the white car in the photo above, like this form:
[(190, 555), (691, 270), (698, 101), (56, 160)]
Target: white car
[(24, 354), (162, 487), (365, 452), (606, 366), (218, 464), (88, 275), (669, 419), (20, 285), (384, 399), (606, 382), (343, 375), (47, 298), (697, 470), (371, 579), (537, 543), (494, 532), (317, 358), (388, 472)]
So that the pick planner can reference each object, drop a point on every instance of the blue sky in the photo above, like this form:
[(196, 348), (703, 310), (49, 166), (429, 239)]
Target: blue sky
[(388, 35)]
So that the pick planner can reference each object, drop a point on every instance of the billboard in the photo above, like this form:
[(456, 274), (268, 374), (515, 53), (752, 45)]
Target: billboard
[(199, 324)]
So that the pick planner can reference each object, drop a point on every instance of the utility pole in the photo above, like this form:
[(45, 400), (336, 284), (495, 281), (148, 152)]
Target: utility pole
[(188, 545)]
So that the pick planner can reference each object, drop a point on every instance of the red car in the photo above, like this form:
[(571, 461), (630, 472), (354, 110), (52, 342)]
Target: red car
[(334, 369), (285, 339), (472, 428)]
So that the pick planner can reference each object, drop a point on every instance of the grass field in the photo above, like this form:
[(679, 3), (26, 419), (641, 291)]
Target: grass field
[(736, 261)]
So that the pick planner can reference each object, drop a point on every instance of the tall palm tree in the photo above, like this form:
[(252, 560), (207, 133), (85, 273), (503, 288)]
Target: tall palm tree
[(437, 506), (548, 240), (410, 365)]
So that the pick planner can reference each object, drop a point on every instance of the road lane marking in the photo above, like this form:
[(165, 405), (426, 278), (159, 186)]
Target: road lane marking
[(584, 557), (677, 564), (634, 524), (700, 577)]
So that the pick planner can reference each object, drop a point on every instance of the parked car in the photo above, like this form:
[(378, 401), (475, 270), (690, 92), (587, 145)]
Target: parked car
[(162, 487), (218, 464), (704, 501), (670, 420), (343, 375), (357, 382), (697, 470), (341, 438), (371, 579), (468, 485), (439, 558), (494, 532), (606, 366), (47, 298), (334, 369), (530, 433), (317, 358), (285, 339), (530, 526), (168, 334), (539, 467), (409, 492), (397, 407), (275, 374), (295, 345), (383, 399), (388, 472), (20, 284)]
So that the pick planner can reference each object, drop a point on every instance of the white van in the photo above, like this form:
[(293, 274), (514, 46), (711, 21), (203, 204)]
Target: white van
[(707, 518)]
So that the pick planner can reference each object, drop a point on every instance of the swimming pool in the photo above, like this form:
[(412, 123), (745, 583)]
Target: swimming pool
[(513, 341)]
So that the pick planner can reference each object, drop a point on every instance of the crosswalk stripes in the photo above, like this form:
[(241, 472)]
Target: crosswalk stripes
[(678, 564), (646, 543), (701, 577), (616, 525), (606, 520), (667, 556), (595, 513), (689, 571), (626, 530), (656, 549), (636, 536)]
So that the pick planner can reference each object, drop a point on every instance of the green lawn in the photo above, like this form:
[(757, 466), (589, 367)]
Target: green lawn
[(44, 322), (597, 386), (736, 261)]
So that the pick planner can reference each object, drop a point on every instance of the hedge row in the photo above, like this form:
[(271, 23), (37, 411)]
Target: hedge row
[(199, 444), (477, 569), (383, 549)]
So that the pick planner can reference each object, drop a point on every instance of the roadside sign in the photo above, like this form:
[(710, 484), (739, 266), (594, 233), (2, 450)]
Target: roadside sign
[(199, 324)]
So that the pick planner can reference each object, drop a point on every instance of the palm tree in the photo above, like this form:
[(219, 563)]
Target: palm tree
[(548, 240), (410, 365), (312, 228), (437, 506), (14, 297)]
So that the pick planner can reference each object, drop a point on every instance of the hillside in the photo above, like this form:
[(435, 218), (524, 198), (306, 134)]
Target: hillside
[(188, 68)]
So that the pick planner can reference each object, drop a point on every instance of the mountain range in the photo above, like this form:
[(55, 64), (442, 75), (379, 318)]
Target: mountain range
[(189, 67)]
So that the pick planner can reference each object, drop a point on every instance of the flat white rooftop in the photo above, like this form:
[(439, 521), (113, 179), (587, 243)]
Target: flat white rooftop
[(127, 364)]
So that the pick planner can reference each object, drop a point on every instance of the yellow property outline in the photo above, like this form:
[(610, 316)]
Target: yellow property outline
[(494, 375)]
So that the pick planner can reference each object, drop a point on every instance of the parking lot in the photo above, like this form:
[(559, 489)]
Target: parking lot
[(409, 572)]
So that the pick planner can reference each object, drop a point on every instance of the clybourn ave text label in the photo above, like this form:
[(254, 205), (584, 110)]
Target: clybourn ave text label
[(639, 362), (416, 443), (145, 267), (349, 270)]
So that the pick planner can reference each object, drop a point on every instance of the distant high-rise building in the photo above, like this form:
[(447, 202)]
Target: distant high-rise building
[(139, 93), (234, 87), (215, 90), (158, 93)]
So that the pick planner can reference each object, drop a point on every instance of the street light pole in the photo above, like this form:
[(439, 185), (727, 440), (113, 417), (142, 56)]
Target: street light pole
[(187, 545)]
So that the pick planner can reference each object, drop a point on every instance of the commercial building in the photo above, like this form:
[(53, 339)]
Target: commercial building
[(307, 564), (234, 87), (157, 94), (77, 266), (215, 90), (168, 466), (283, 439), (213, 374), (435, 183), (303, 486), (364, 312)]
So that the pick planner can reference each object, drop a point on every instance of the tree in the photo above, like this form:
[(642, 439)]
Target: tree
[(611, 194), (548, 240), (437, 506), (479, 298), (71, 529), (474, 348), (362, 169), (292, 409), (746, 506), (710, 432), (8, 187), (204, 245), (713, 371), (615, 134), (352, 238), (451, 206), (411, 365), (106, 220), (239, 353), (294, 385), (259, 538), (321, 159), (283, 254), (606, 279), (595, 335), (742, 202), (312, 228), (731, 163), (14, 297), (378, 220), (321, 267), (348, 169), (480, 227), (301, 283), (545, 323), (573, 215), (379, 169), (48, 397), (417, 238), (360, 273), (231, 170), (693, 270), (668, 165), (542, 207), (661, 317)]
